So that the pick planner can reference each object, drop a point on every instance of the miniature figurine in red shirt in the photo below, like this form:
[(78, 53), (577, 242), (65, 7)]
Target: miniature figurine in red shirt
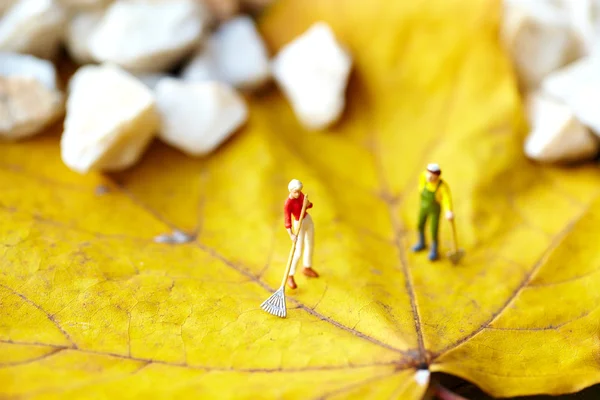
[(292, 210)]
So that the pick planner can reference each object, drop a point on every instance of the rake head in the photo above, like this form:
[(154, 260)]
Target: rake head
[(455, 256), (276, 304)]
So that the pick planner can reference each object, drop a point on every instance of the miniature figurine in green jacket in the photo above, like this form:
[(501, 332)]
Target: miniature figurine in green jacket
[(435, 195)]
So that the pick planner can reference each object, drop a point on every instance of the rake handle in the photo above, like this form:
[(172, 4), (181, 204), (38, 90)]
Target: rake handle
[(291, 256), (454, 237)]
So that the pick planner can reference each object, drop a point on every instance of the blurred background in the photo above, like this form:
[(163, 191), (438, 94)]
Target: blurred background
[(210, 52)]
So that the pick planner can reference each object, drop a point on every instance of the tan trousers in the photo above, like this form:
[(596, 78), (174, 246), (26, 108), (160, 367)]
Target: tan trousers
[(305, 242)]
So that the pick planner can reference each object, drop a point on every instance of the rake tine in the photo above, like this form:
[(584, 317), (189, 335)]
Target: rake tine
[(275, 304)]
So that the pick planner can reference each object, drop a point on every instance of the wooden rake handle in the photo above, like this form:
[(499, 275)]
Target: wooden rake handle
[(454, 236), (291, 256)]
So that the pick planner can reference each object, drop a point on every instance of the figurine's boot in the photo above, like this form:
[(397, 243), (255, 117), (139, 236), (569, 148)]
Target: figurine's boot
[(421, 244), (308, 271), (433, 253), (291, 282)]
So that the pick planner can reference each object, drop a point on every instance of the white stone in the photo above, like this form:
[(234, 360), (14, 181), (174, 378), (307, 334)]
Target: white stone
[(578, 86), (111, 118), (585, 22), (203, 66), (84, 5), (422, 377), (556, 134), (235, 54), (313, 73), (538, 36), (198, 116), (222, 10), (147, 36), (77, 35), (151, 80), (5, 5), (22, 65), (27, 106), (34, 27), (29, 99)]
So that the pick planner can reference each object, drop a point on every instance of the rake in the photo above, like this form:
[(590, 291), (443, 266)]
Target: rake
[(455, 254), (276, 303)]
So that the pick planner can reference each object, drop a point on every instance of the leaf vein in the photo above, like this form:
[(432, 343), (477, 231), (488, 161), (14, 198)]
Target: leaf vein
[(46, 313), (524, 282), (149, 361)]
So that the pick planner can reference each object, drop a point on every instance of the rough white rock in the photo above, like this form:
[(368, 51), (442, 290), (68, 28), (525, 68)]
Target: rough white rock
[(313, 73), (111, 118), (151, 80), (27, 106), (84, 5), (222, 9), (77, 35), (538, 36), (29, 99), (5, 5), (147, 36), (22, 65), (578, 86), (198, 116), (422, 377), (235, 54), (34, 27), (556, 134), (203, 66), (585, 22)]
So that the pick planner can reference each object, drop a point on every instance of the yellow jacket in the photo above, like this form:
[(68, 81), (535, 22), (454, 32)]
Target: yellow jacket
[(442, 195)]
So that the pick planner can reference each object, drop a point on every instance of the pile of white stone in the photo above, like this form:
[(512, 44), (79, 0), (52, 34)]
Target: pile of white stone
[(122, 95), (555, 48)]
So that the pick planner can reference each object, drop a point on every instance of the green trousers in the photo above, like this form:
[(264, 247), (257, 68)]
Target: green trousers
[(430, 208)]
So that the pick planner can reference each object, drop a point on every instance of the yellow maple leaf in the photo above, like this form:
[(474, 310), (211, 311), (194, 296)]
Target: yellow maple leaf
[(92, 305)]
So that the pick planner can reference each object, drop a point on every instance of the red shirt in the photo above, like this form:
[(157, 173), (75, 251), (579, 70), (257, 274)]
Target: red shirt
[(294, 207)]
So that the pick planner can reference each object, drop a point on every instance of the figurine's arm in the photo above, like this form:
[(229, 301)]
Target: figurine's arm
[(287, 216), (446, 200), (292, 236), (422, 182)]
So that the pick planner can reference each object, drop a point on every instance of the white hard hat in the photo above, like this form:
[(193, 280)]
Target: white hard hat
[(434, 168), (295, 185)]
